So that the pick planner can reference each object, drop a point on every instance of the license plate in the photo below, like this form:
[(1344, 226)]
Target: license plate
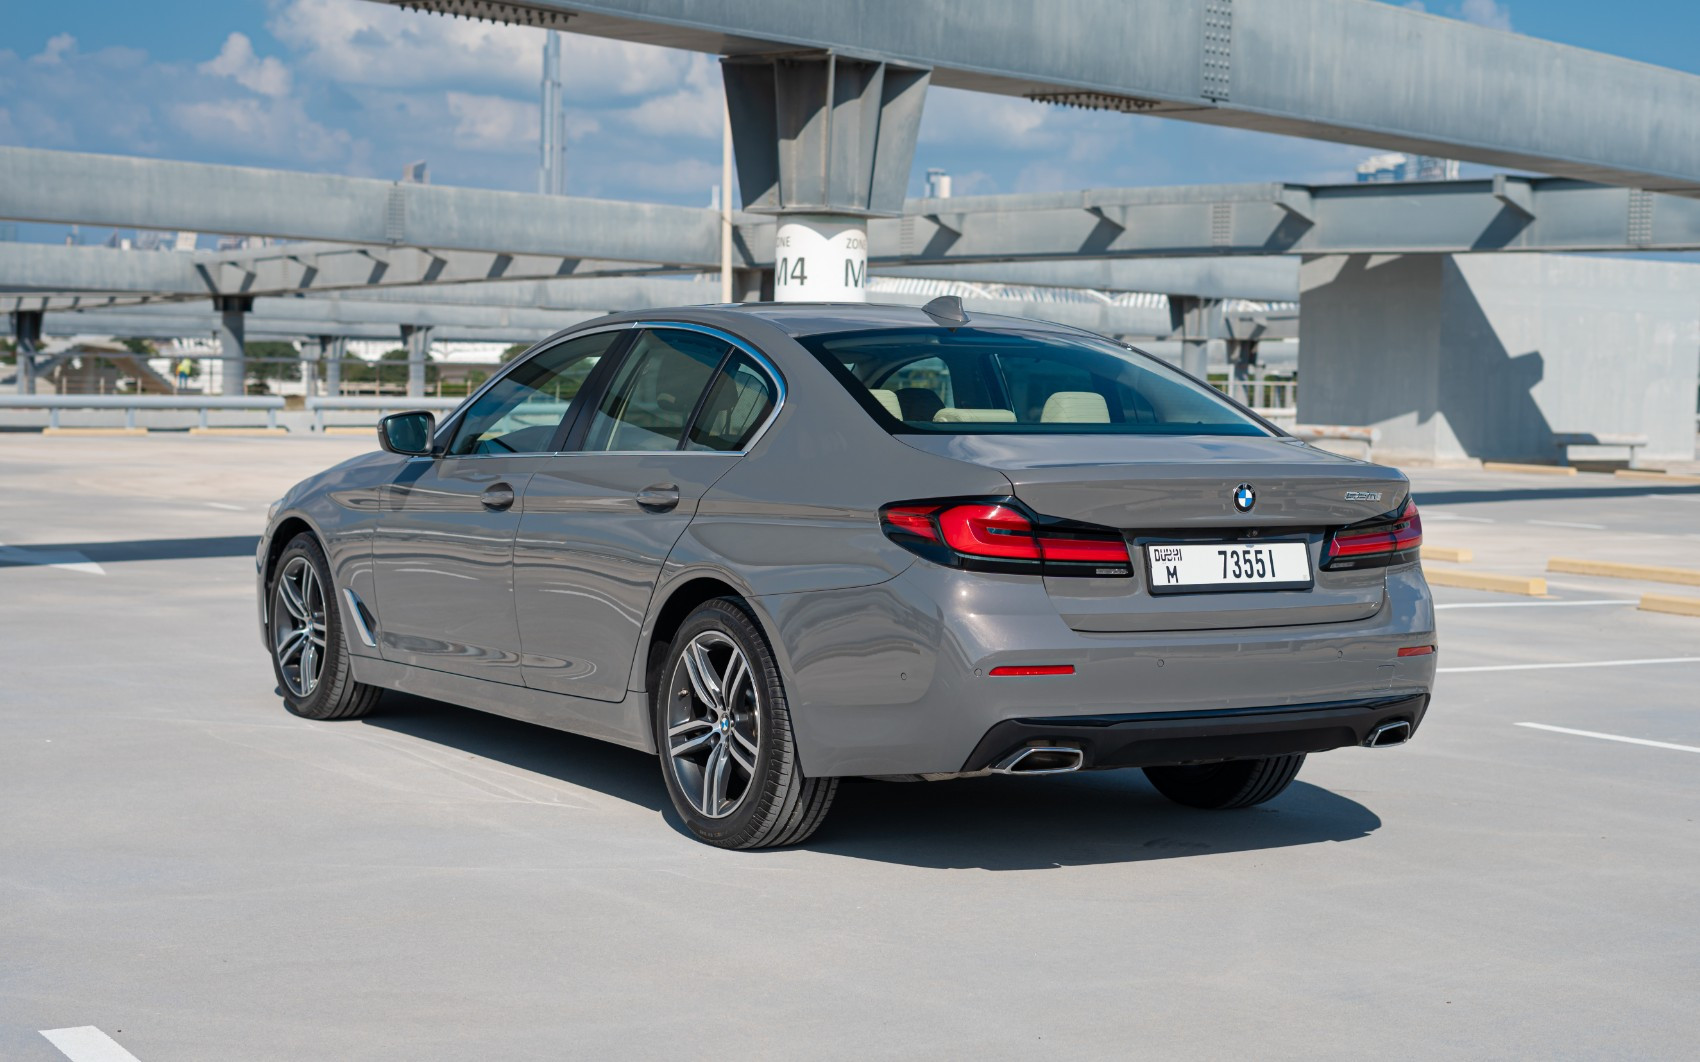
[(1177, 567)]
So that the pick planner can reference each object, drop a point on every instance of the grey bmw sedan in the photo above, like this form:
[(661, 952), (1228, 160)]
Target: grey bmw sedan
[(779, 545)]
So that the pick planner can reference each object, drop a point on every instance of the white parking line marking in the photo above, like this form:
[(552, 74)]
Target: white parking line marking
[(1567, 523), (1611, 737), (1575, 663), (1537, 604), (225, 505), (85, 1043)]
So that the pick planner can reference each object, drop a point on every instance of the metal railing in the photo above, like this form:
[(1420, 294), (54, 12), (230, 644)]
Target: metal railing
[(131, 403), (381, 404)]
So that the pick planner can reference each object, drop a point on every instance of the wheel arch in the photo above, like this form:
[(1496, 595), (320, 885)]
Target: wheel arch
[(677, 600)]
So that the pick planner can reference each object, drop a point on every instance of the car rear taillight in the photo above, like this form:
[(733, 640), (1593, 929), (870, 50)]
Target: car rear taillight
[(1001, 536), (1388, 540)]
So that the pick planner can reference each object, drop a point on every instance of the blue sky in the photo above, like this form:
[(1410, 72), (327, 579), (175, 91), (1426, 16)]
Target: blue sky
[(349, 86)]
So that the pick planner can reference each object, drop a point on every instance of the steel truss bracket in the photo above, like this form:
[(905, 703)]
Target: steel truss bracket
[(1516, 195)]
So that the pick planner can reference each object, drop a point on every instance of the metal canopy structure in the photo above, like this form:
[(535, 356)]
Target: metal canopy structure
[(1343, 70)]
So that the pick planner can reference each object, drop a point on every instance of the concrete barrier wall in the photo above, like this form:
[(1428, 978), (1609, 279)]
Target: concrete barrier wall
[(1485, 357)]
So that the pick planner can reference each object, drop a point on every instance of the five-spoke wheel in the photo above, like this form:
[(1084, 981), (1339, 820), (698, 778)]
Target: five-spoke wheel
[(299, 626), (713, 724), (723, 728), (314, 673)]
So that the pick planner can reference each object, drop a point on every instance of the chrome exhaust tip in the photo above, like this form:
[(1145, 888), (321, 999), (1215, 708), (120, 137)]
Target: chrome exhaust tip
[(1040, 759), (1388, 734)]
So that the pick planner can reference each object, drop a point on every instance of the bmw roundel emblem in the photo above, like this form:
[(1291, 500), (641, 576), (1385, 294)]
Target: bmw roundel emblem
[(1244, 497)]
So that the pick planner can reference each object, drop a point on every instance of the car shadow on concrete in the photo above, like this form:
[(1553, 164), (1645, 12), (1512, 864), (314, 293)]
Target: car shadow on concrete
[(988, 823), (1090, 818), (619, 772)]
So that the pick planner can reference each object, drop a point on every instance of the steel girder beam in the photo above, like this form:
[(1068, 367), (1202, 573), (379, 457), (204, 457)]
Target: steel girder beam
[(1343, 70), (1270, 278), (59, 186), (1436, 217), (180, 322)]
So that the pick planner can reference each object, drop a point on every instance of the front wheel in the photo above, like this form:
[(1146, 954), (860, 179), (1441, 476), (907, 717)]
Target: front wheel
[(723, 729), (1235, 784), (309, 656)]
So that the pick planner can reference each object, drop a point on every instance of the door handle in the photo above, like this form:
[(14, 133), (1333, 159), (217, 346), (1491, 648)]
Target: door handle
[(498, 497), (659, 497)]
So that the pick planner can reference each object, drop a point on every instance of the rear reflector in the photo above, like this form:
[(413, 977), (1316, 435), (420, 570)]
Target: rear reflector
[(1032, 669), (1417, 650)]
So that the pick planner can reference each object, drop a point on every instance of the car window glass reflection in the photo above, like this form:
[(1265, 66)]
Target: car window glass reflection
[(520, 413), (738, 403), (655, 390)]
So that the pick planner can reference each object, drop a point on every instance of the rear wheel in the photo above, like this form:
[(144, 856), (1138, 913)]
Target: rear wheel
[(1235, 784), (309, 655), (723, 729)]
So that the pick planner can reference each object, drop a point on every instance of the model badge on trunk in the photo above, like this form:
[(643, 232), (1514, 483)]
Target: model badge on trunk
[(1244, 497), (1363, 495)]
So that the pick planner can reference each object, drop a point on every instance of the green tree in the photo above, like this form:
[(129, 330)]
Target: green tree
[(514, 351), (144, 347), (270, 359)]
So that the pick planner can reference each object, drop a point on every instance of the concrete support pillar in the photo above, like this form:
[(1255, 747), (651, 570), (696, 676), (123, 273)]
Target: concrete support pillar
[(417, 339), (232, 340), (1193, 320), (26, 333), (1242, 356), (825, 142), (335, 349), (312, 350)]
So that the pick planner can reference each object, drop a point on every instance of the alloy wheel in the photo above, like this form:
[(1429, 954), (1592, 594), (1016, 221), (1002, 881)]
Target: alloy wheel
[(299, 626), (713, 724)]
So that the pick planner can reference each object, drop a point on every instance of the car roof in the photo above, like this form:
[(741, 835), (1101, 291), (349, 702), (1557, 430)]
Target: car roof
[(814, 318)]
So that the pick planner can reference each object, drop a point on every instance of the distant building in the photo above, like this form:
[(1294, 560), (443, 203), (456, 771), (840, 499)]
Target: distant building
[(416, 173), (1398, 166), (938, 184)]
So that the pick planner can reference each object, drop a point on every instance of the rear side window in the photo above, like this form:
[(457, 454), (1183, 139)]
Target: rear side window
[(738, 403), (655, 390), (988, 381)]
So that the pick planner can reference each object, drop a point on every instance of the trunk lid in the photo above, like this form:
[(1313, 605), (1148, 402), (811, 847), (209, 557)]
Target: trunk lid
[(1181, 489)]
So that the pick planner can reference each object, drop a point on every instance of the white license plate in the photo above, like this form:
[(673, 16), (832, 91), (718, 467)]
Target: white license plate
[(1228, 566)]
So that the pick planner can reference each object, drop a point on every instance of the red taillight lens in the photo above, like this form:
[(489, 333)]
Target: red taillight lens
[(989, 531), (1401, 536), (1417, 650), (915, 519), (992, 533), (1031, 670)]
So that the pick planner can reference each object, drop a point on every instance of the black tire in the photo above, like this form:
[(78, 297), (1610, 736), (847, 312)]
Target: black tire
[(775, 804), (333, 693), (1235, 784)]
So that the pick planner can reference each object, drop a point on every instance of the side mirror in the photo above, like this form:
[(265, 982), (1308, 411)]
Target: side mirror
[(407, 433)]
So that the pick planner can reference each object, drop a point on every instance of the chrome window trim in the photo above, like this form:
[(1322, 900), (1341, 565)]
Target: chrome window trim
[(770, 370)]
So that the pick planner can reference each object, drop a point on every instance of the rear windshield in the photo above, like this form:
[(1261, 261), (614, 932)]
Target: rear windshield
[(984, 381)]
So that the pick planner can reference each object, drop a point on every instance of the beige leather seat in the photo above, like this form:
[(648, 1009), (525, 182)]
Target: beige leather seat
[(1075, 407), (888, 399), (955, 415)]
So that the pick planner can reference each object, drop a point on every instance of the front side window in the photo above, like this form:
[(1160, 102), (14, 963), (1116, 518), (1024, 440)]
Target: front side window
[(521, 412), (655, 391), (987, 381)]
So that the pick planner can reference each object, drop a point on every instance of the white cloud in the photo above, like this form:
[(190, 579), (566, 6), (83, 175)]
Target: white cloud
[(237, 61), (379, 44), (483, 123), (1486, 13), (956, 116), (281, 126), (694, 109)]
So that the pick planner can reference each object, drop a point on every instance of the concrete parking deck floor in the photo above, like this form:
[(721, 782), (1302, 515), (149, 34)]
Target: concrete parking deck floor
[(203, 876)]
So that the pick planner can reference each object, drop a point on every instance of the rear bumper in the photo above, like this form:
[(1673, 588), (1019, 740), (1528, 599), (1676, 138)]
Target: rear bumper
[(1161, 739), (896, 678)]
